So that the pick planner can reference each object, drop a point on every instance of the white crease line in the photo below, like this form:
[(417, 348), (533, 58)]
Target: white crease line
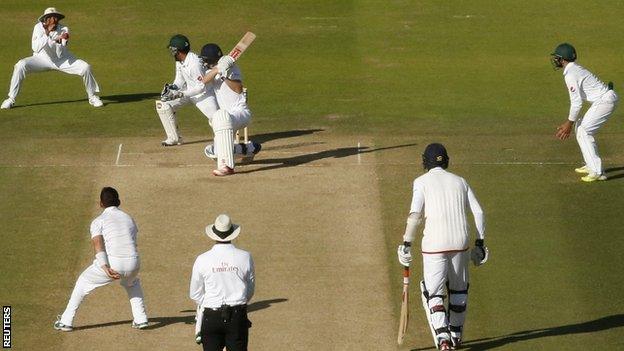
[(359, 156), (118, 155)]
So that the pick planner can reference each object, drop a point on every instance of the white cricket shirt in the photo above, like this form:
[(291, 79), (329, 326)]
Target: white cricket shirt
[(189, 74), (222, 275), (445, 197), (46, 44), (119, 232), (227, 98), (582, 86)]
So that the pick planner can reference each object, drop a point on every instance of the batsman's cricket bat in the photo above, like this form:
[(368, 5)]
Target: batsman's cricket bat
[(404, 319), (242, 45)]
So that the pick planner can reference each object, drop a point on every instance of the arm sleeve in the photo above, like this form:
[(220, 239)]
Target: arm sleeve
[(251, 279), (178, 80), (416, 208), (196, 86), (196, 290), (576, 101), (40, 39), (96, 227), (413, 220), (477, 213)]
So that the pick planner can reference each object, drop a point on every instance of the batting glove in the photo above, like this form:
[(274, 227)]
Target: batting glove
[(225, 64), (405, 255), (480, 253)]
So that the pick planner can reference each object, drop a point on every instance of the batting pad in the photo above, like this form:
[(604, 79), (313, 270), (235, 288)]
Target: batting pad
[(224, 147), (168, 120)]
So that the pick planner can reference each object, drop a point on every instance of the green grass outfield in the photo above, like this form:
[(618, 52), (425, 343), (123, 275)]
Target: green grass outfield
[(472, 74)]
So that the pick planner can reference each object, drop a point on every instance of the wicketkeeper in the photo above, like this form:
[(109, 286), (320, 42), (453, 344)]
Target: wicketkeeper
[(441, 198)]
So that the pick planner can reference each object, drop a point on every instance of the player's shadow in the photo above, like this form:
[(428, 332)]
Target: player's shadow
[(596, 325), (263, 138), (159, 322), (614, 172), (276, 163), (108, 99)]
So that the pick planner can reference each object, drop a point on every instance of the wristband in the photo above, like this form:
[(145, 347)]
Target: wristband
[(102, 258)]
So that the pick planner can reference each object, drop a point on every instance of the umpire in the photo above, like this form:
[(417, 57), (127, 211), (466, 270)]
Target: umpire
[(222, 283)]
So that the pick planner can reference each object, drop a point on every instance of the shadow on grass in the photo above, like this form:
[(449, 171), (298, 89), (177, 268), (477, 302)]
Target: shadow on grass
[(276, 163), (601, 324), (159, 322), (611, 170), (121, 98)]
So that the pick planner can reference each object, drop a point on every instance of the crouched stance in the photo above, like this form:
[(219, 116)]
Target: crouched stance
[(113, 234)]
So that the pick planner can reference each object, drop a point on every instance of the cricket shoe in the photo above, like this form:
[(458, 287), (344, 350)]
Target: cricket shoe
[(209, 152), (582, 170), (444, 345), (456, 341), (223, 171), (62, 327), (139, 325), (95, 101), (170, 142), (249, 156), (7, 104), (592, 177)]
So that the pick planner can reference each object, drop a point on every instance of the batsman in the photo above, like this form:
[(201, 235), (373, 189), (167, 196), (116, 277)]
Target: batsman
[(441, 198)]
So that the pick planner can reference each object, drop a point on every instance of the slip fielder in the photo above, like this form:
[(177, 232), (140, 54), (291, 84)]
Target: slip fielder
[(441, 198), (49, 46), (584, 86)]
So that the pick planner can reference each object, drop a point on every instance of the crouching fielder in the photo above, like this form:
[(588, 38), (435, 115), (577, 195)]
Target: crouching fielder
[(113, 234), (226, 80), (444, 197)]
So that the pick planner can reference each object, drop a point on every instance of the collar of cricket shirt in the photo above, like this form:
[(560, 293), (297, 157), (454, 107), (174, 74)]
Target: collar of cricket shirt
[(570, 64)]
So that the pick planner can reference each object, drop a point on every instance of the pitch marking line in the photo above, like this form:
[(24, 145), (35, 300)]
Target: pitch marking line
[(118, 155)]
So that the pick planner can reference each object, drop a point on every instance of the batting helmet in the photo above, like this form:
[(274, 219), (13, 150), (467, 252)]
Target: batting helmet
[(179, 43), (210, 54), (562, 52), (435, 156)]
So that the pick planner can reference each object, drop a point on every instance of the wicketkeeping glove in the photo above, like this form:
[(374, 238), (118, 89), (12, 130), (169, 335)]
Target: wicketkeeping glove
[(170, 92), (405, 255), (480, 253)]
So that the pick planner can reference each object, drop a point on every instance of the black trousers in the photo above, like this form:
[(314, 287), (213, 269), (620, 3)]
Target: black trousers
[(227, 327)]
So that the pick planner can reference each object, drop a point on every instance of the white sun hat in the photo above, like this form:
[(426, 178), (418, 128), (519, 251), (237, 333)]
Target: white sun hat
[(223, 229), (51, 11)]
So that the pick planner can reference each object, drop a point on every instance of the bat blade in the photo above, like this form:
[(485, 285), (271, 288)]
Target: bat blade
[(242, 45), (404, 319)]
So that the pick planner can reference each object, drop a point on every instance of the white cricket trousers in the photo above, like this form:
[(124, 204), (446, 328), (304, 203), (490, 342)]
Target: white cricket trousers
[(438, 269), (42, 62), (597, 115), (94, 277)]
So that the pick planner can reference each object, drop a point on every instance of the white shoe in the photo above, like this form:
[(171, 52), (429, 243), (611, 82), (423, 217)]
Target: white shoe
[(139, 325), (170, 142), (7, 104), (582, 170), (221, 172), (209, 152), (95, 101), (62, 327)]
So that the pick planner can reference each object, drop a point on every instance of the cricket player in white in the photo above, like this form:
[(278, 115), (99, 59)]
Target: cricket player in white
[(222, 283), (49, 46), (584, 86), (226, 79), (186, 88), (441, 198), (113, 234)]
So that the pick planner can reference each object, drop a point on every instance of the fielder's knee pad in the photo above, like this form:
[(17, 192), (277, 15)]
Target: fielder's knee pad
[(221, 120)]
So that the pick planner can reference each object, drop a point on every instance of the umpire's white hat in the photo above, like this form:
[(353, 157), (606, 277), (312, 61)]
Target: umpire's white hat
[(223, 229), (51, 11)]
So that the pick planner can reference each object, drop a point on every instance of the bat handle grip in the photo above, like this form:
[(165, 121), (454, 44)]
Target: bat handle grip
[(406, 273)]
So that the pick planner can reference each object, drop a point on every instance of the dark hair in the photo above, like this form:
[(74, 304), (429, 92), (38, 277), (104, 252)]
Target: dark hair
[(109, 197)]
